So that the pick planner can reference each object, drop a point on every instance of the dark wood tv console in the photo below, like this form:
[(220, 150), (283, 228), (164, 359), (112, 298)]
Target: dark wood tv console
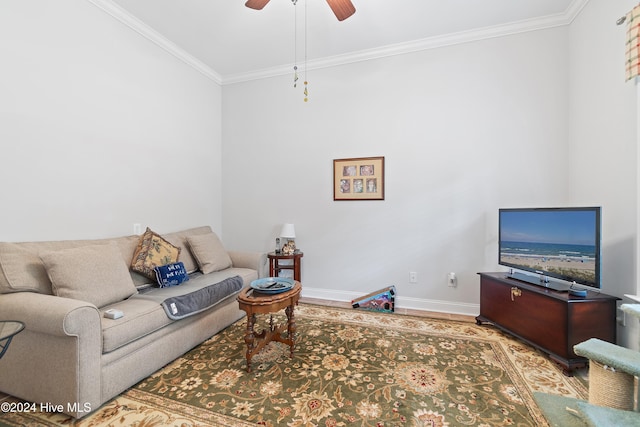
[(549, 320)]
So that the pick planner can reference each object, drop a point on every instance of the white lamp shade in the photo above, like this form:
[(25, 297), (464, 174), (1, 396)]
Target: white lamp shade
[(288, 231)]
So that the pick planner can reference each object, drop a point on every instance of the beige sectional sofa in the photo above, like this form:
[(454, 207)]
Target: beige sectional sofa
[(70, 354)]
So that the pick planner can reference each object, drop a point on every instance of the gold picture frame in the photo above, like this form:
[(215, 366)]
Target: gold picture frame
[(359, 178)]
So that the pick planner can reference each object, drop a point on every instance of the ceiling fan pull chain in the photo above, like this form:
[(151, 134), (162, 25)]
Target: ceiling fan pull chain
[(295, 44), (306, 88), (295, 49)]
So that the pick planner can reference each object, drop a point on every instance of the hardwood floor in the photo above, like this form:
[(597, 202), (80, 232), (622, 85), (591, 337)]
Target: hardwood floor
[(406, 311)]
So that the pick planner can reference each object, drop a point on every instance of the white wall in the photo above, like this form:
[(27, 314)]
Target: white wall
[(603, 141), (464, 130), (100, 128)]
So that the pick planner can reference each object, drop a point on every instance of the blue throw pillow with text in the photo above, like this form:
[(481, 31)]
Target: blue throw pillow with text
[(171, 274)]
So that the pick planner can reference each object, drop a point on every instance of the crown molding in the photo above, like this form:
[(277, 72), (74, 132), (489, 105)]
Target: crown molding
[(149, 33), (574, 9), (551, 21)]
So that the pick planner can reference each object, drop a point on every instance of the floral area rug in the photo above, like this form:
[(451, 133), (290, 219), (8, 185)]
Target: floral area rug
[(350, 368)]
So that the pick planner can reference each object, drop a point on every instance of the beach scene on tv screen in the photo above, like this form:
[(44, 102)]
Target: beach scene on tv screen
[(560, 243)]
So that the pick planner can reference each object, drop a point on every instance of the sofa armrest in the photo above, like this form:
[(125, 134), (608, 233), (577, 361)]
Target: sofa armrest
[(253, 260), (49, 314), (61, 342)]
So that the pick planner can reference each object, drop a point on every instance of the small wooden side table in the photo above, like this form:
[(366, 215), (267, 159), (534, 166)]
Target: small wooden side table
[(275, 267), (254, 302)]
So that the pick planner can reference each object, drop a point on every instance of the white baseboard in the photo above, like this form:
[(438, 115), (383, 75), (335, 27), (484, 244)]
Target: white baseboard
[(409, 303)]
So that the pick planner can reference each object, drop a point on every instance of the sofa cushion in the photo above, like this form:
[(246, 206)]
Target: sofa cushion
[(144, 314), (96, 274), (151, 252), (171, 274), (140, 318), (179, 239), (22, 269), (209, 252)]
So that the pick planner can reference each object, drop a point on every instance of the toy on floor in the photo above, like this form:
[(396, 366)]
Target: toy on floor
[(381, 300)]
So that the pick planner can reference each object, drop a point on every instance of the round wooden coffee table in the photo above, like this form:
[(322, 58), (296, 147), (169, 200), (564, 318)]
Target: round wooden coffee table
[(254, 302)]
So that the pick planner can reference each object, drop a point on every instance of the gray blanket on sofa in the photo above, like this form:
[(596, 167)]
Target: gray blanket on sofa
[(194, 302), (193, 296)]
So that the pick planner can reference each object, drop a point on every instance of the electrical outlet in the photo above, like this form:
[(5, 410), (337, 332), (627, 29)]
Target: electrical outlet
[(137, 228), (413, 277), (452, 281)]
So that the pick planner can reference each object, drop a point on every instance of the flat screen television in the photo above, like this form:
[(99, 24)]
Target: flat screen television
[(559, 243)]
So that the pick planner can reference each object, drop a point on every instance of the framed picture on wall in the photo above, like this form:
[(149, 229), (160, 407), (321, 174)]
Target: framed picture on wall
[(360, 178)]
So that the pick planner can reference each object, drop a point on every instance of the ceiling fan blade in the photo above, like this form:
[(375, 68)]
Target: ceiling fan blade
[(256, 4), (342, 8)]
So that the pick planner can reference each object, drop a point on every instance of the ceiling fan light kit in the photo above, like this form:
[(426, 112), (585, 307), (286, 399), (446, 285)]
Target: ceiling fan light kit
[(256, 4), (341, 8)]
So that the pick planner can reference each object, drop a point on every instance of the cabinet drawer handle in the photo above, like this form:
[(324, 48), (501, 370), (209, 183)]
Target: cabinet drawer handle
[(515, 292)]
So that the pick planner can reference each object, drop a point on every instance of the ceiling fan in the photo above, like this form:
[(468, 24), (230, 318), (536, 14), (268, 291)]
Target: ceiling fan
[(341, 8)]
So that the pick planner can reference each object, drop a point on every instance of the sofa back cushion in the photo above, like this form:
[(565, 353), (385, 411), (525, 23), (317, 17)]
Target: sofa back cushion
[(22, 270), (209, 252), (94, 273), (179, 239)]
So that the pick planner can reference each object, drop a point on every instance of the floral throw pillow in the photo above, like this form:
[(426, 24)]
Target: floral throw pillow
[(153, 251)]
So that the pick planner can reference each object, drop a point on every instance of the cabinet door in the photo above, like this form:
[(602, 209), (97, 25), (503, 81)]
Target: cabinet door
[(529, 315), (591, 319)]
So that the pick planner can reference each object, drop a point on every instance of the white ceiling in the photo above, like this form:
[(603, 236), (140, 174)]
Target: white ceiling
[(235, 41)]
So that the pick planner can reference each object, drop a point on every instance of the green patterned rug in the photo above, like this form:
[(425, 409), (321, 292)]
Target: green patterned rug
[(350, 368)]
